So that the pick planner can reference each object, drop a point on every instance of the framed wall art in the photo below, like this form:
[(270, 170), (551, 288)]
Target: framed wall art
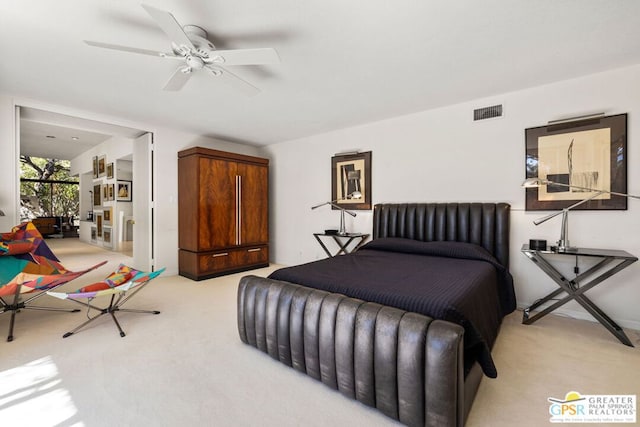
[(102, 166), (123, 191), (590, 153), (97, 195), (99, 224), (106, 216), (107, 237), (110, 170), (95, 167), (351, 175), (105, 192)]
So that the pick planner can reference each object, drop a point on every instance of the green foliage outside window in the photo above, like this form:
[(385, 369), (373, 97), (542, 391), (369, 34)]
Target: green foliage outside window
[(47, 189)]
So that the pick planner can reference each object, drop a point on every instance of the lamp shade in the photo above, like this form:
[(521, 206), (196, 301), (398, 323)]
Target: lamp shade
[(535, 182)]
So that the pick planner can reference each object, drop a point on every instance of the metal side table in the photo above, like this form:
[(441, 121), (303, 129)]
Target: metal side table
[(343, 241), (610, 262)]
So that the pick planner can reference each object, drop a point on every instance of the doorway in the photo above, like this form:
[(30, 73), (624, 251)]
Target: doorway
[(117, 221)]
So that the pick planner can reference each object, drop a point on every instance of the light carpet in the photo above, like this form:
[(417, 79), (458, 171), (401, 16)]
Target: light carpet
[(187, 366)]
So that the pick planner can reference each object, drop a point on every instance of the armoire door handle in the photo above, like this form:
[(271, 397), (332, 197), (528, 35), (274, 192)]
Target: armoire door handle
[(239, 209), (237, 239)]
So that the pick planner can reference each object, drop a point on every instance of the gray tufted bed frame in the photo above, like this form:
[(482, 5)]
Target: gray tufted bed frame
[(406, 365)]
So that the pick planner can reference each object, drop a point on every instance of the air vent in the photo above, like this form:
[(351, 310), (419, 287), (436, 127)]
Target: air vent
[(487, 112)]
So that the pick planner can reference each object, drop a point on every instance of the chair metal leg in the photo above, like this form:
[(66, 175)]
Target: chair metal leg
[(139, 311), (130, 310), (113, 316), (68, 334), (18, 305), (109, 310), (15, 308), (68, 310), (4, 309), (11, 322)]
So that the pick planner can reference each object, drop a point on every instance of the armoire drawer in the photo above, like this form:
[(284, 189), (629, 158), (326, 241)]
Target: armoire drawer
[(204, 265)]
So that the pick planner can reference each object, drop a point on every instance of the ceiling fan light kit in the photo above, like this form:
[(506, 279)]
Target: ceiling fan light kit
[(189, 44)]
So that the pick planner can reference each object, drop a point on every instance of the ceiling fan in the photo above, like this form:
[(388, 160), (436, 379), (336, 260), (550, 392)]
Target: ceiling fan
[(190, 46)]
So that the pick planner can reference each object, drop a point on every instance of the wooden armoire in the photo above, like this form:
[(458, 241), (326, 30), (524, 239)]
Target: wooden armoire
[(222, 213)]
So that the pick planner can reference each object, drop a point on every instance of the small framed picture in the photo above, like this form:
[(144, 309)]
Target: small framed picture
[(94, 234), (106, 237), (97, 195), (95, 167), (105, 192), (110, 170), (123, 191), (111, 192), (351, 180), (99, 225), (106, 216), (102, 166)]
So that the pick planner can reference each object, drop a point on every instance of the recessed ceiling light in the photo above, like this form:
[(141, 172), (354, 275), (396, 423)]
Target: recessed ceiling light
[(51, 136), (75, 138)]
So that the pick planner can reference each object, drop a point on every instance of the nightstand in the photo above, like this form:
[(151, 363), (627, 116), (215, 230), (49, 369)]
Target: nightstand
[(607, 263), (343, 241)]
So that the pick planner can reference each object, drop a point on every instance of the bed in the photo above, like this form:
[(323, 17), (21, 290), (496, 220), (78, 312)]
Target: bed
[(405, 324)]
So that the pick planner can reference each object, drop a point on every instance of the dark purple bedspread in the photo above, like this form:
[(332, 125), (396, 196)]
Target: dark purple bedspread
[(458, 282)]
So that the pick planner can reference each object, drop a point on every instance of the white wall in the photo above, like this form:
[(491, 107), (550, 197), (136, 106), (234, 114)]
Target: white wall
[(9, 203), (113, 149), (442, 155), (167, 144)]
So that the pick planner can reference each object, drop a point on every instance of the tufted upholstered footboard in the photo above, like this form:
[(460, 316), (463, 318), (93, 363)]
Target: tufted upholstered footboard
[(406, 365)]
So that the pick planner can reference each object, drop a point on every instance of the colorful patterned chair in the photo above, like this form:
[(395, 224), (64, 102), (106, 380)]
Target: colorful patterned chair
[(27, 265), (121, 285)]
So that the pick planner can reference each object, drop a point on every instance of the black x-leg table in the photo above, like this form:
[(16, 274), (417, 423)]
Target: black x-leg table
[(609, 263), (342, 241)]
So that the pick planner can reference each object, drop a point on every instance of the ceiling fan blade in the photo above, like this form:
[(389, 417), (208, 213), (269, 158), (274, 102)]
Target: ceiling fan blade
[(132, 49), (177, 80), (233, 80), (170, 26), (245, 56)]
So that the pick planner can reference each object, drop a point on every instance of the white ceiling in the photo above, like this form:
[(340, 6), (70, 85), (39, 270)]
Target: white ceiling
[(58, 136), (344, 63)]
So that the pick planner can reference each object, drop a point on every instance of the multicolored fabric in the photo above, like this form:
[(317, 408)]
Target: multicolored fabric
[(117, 278), (121, 280), (27, 232), (36, 269), (15, 247)]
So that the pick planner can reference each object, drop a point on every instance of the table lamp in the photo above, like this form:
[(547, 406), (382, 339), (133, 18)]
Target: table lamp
[(355, 195), (563, 242)]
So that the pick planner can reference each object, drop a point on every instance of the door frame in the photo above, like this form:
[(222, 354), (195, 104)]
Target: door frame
[(18, 104)]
